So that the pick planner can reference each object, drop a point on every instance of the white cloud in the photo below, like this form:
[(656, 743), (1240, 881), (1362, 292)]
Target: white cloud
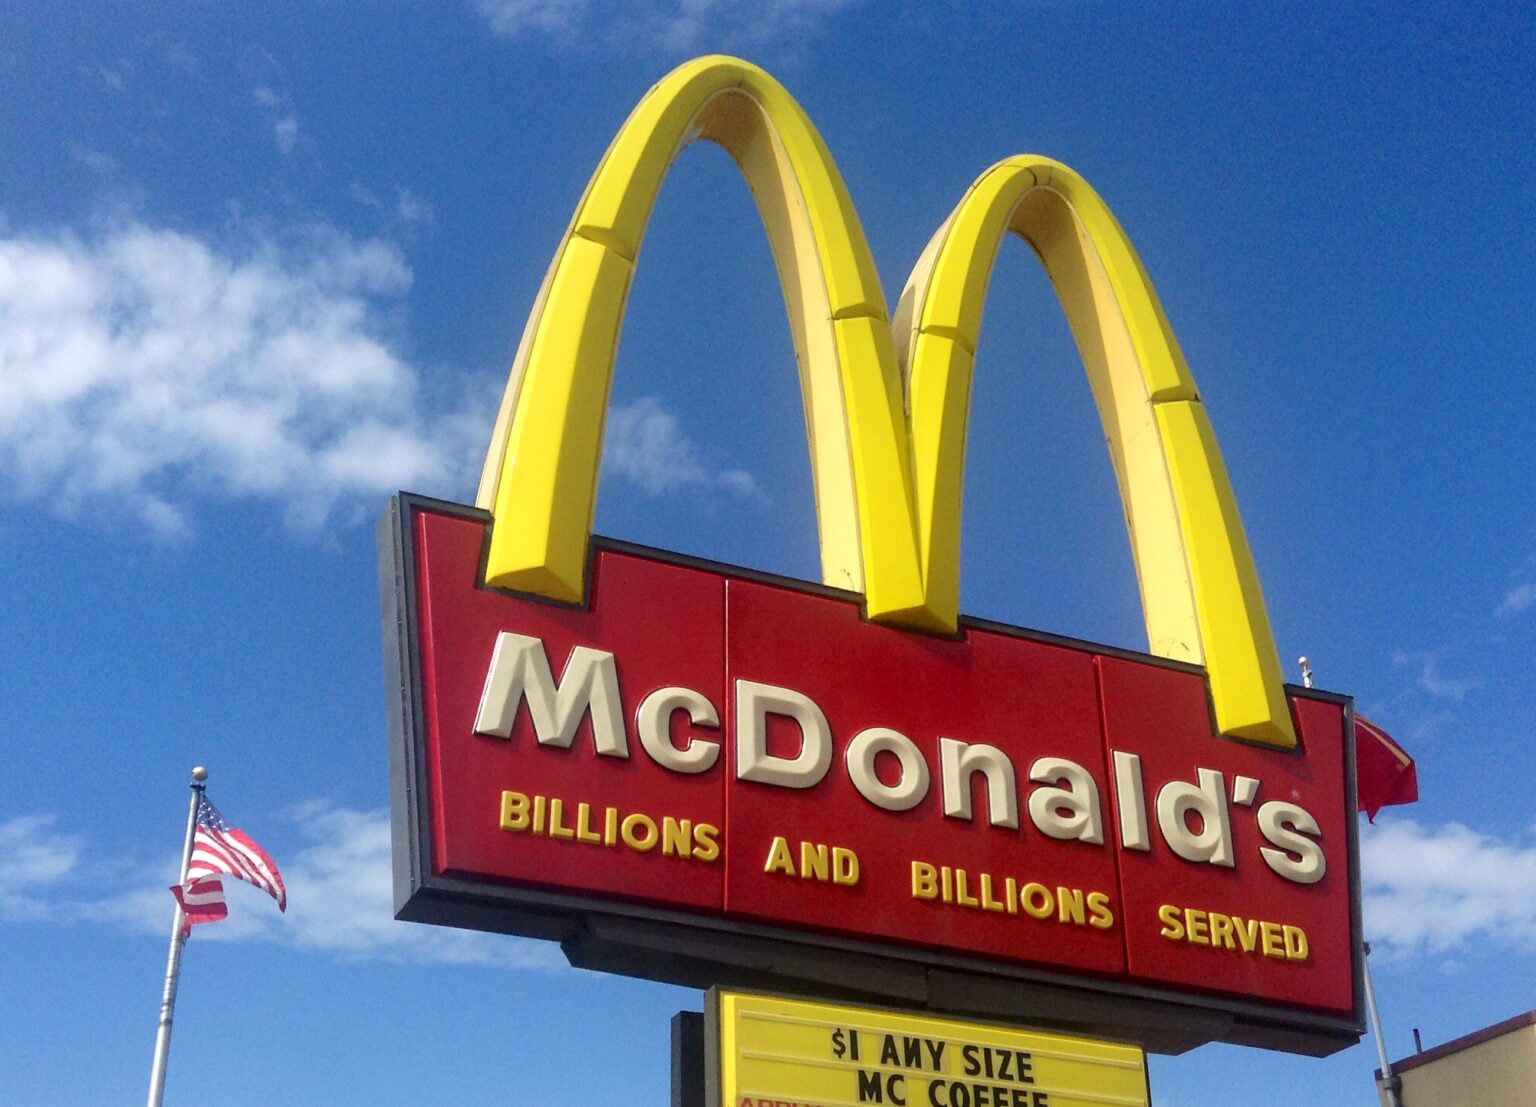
[(408, 208), (285, 132), (1430, 678), (672, 26), (284, 120), (142, 367), (179, 57), (644, 444), (339, 896), (33, 858), (1520, 598), (340, 901), (510, 18), (114, 78), (1438, 890)]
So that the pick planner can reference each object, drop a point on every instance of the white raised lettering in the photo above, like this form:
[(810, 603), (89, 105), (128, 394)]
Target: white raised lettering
[(1178, 799), (590, 684), (958, 762), (1286, 825), (754, 703), (653, 722), (1131, 799), (1070, 812), (909, 790)]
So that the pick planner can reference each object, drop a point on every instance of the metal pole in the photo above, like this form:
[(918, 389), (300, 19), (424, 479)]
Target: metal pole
[(1390, 1083), (173, 959)]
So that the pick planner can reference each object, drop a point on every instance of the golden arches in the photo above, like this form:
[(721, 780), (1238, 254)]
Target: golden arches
[(1200, 591), (888, 484)]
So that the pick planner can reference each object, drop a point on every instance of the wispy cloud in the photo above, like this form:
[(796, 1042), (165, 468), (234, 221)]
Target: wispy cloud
[(339, 897), (1520, 598), (407, 208), (1434, 891), (670, 26), (645, 445), (142, 367), (278, 105), (179, 57), (511, 18), (1429, 676), (114, 78), (34, 857)]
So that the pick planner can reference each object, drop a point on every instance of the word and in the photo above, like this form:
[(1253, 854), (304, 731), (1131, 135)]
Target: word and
[(1192, 817), (818, 861)]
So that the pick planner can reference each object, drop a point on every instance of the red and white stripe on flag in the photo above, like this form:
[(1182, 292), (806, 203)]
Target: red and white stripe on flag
[(219, 849), (202, 901)]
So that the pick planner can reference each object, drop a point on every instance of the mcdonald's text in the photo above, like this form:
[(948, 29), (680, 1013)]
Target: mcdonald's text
[(1064, 803)]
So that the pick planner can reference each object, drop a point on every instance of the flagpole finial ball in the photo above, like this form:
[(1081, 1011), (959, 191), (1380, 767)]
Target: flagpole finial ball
[(199, 774)]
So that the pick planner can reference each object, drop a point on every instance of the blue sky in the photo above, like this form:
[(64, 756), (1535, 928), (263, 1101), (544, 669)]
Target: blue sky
[(263, 265)]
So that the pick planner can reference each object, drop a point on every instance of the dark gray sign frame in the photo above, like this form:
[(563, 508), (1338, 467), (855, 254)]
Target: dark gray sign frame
[(701, 951)]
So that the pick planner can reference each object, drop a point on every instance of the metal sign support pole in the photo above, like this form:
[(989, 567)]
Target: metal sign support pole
[(173, 959)]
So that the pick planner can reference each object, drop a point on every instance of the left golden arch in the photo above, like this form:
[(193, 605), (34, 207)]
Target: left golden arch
[(540, 475)]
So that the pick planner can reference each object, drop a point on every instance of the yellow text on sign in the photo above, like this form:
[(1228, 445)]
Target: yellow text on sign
[(777, 1051)]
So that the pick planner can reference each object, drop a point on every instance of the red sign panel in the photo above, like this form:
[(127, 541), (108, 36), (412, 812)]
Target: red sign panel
[(714, 745)]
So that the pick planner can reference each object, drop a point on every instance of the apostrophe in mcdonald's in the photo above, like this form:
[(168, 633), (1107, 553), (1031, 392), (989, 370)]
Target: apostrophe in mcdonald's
[(593, 731)]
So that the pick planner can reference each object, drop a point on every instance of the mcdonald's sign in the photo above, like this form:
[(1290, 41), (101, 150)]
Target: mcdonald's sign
[(694, 772)]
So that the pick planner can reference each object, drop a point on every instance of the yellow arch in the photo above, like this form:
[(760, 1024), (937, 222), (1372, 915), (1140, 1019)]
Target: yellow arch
[(1200, 591), (540, 475)]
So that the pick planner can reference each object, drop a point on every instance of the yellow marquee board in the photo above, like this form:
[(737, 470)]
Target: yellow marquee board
[(765, 1051)]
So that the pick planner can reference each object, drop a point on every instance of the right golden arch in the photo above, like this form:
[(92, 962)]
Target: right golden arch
[(1200, 591)]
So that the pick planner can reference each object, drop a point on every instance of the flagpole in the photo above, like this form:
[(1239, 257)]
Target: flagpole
[(173, 958), (1388, 1083)]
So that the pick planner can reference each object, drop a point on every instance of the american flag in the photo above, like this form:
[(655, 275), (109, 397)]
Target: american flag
[(219, 849)]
